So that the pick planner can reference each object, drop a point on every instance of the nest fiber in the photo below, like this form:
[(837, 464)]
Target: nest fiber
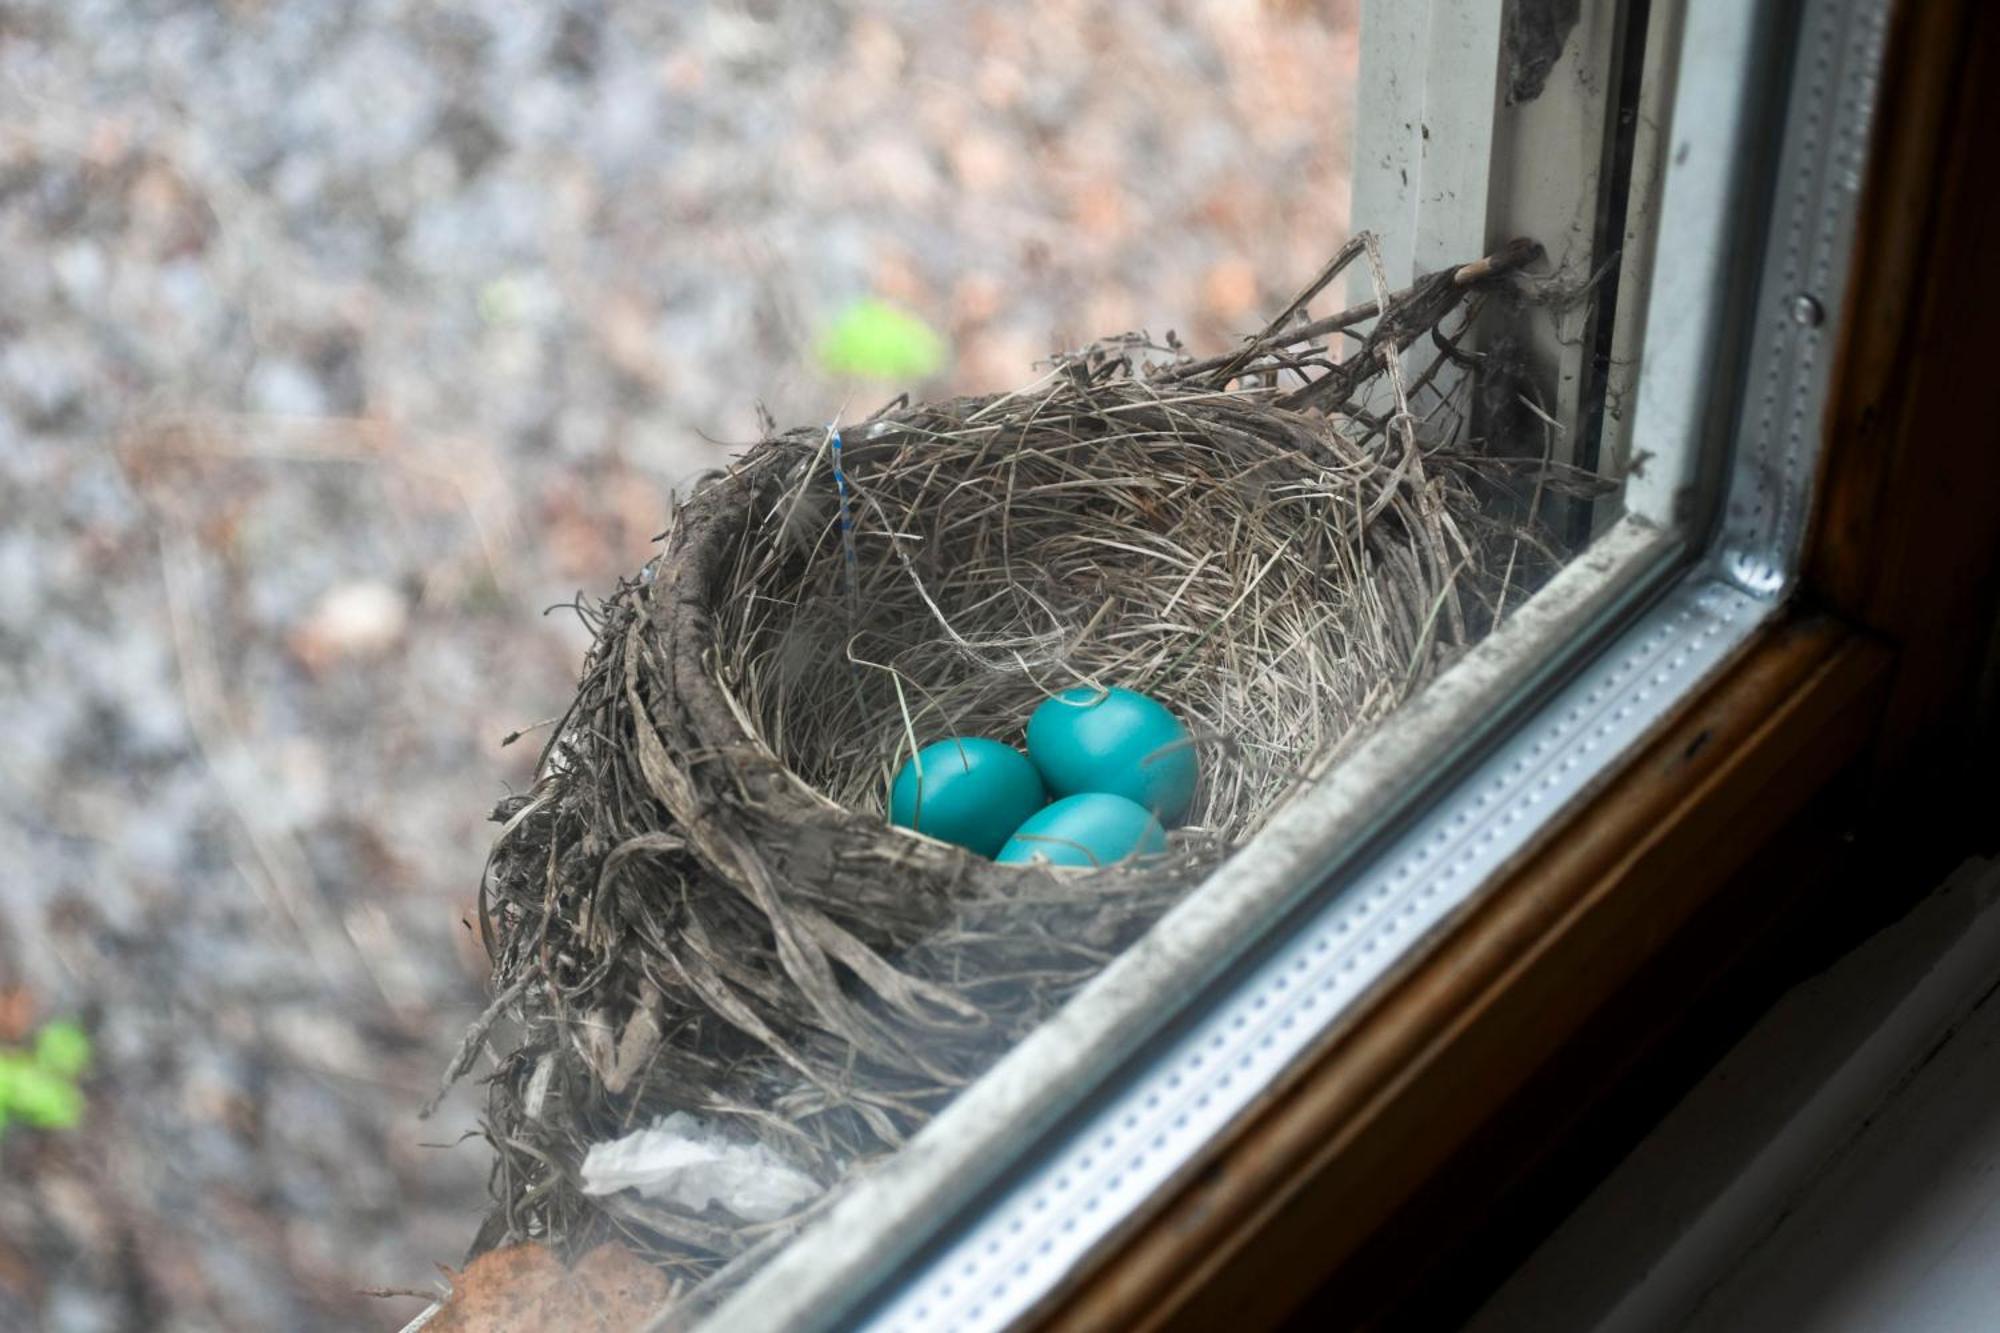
[(699, 907)]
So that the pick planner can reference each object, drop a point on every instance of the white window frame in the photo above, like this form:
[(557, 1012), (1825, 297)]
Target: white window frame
[(1012, 1187)]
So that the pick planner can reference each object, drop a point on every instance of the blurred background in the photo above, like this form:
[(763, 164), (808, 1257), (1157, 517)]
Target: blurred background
[(338, 340)]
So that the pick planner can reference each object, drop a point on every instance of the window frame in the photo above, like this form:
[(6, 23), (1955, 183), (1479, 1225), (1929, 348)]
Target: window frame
[(1853, 739), (1604, 604), (1863, 714)]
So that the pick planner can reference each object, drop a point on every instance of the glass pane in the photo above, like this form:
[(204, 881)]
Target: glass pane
[(341, 340)]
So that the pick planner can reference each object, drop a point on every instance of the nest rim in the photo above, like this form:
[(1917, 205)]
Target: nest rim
[(754, 851)]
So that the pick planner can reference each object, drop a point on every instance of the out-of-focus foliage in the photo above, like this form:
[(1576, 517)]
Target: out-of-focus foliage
[(39, 1085), (875, 339)]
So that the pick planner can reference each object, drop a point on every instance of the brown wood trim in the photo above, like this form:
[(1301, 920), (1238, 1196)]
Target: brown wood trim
[(1907, 538), (1876, 374), (1330, 1157)]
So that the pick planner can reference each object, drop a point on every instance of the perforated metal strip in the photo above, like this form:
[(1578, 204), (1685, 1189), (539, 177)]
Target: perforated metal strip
[(1804, 283), (1023, 1246)]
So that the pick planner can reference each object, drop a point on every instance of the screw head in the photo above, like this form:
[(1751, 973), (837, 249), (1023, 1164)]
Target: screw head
[(1807, 312)]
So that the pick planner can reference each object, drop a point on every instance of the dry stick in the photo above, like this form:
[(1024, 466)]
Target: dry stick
[(475, 1036), (1341, 259), (1232, 364), (1550, 427), (1427, 503)]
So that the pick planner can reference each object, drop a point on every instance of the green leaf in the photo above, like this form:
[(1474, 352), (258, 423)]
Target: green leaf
[(875, 339), (44, 1099), (62, 1048)]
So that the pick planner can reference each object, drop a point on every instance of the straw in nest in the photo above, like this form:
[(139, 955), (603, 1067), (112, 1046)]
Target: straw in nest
[(699, 906)]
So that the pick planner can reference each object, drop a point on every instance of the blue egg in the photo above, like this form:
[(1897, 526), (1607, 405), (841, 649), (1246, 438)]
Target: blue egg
[(968, 791), (1092, 829), (1116, 741)]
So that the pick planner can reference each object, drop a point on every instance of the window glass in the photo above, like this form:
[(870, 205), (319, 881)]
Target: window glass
[(1089, 622), (1255, 357)]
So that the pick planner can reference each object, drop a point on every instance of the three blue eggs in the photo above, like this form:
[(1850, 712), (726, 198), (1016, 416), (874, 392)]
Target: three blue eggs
[(1119, 764)]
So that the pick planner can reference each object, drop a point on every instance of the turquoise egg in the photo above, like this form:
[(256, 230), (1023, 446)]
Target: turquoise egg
[(968, 790), (1094, 828), (1116, 741)]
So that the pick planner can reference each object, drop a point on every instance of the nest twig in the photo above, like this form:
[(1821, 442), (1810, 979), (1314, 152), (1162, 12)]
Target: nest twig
[(699, 906)]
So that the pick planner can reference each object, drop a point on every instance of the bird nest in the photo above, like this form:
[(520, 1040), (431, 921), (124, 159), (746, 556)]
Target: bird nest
[(699, 905)]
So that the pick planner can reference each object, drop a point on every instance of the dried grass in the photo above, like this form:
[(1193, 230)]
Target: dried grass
[(699, 907)]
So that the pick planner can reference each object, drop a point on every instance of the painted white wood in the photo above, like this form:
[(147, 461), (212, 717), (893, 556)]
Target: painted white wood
[(1902, 1231), (1638, 244), (1455, 134), (1838, 1169), (1388, 151), (1546, 183), (1689, 288), (1423, 133), (1445, 170)]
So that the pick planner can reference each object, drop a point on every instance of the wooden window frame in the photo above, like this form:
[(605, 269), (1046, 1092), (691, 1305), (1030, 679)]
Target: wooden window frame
[(1856, 713)]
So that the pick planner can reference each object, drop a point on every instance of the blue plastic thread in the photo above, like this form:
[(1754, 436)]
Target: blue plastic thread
[(846, 516)]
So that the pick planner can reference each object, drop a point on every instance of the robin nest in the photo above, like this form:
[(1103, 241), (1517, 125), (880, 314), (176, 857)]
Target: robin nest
[(699, 906)]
